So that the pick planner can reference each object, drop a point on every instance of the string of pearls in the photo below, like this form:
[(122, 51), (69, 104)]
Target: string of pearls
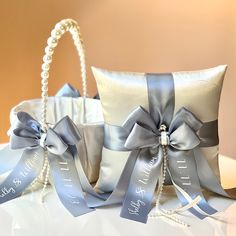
[(66, 25), (168, 214), (45, 172)]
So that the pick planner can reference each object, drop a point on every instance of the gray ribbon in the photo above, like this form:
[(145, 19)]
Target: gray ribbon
[(140, 133), (145, 133), (6, 163), (68, 90), (59, 143), (186, 162)]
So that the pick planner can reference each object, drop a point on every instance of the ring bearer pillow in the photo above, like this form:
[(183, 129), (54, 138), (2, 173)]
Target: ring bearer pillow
[(122, 92)]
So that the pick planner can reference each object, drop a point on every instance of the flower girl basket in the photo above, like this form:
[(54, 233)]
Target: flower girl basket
[(85, 112)]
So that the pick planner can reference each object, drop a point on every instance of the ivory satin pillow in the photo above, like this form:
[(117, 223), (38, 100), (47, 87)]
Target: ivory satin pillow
[(122, 92)]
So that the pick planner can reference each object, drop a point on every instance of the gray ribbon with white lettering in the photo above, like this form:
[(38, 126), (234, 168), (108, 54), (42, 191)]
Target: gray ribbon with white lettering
[(145, 135), (59, 143), (9, 157), (141, 132)]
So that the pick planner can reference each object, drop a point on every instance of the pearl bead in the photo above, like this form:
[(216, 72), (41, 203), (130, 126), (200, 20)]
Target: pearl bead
[(74, 30), (60, 27), (49, 50), (72, 22), (45, 87), (47, 59), (56, 33), (68, 25), (52, 41), (45, 66), (44, 74), (62, 22), (76, 38)]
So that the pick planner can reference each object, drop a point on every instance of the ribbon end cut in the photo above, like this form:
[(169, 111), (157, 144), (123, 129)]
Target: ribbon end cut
[(134, 217), (81, 211)]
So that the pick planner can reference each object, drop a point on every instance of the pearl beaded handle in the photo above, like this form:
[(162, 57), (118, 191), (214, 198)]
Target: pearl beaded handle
[(66, 25)]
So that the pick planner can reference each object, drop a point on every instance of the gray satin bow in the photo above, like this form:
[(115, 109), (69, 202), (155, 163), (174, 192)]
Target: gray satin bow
[(145, 132), (60, 143), (7, 164), (148, 135), (28, 134)]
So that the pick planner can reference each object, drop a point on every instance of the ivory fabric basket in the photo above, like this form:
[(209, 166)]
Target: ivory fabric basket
[(85, 112), (54, 136)]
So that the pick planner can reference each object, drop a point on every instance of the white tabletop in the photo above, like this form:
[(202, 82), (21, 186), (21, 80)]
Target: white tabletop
[(26, 216)]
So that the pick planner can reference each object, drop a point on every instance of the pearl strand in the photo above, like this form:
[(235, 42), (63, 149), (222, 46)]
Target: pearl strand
[(67, 25), (46, 181), (44, 174), (41, 175), (159, 211), (39, 179)]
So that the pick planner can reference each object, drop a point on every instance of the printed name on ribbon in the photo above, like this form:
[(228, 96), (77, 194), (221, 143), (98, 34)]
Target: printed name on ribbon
[(59, 144), (142, 133)]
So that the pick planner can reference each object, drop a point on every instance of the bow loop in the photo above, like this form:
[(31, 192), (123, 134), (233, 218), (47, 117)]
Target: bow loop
[(141, 137), (183, 115), (25, 120), (22, 138), (72, 135), (184, 138), (27, 133), (54, 143), (142, 117)]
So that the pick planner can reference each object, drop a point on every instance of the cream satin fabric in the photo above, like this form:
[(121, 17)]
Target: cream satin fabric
[(121, 92), (90, 147)]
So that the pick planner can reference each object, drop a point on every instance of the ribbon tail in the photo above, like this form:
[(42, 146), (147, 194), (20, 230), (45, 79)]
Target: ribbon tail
[(86, 186), (26, 170), (67, 183), (183, 171), (119, 192), (142, 185), (9, 158), (207, 177)]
